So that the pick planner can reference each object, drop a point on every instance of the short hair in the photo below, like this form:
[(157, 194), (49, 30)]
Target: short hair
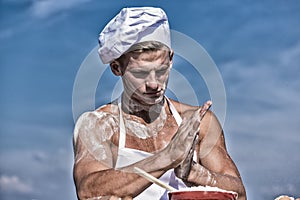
[(142, 47), (147, 46)]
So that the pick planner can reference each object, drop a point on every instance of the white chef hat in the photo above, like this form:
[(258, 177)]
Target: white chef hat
[(132, 26)]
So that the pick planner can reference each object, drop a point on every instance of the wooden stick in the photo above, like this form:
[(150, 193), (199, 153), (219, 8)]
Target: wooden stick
[(152, 179)]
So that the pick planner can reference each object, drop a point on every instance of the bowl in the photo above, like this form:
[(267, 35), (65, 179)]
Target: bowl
[(202, 195)]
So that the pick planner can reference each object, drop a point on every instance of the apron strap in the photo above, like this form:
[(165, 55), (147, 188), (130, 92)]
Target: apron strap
[(174, 112), (122, 136)]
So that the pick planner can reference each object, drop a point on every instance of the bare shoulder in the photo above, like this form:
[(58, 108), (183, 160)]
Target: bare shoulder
[(102, 121), (110, 108), (209, 122), (182, 107), (103, 113)]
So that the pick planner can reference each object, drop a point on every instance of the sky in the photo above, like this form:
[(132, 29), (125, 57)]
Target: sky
[(254, 44)]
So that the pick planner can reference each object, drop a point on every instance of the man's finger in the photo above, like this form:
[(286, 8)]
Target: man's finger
[(204, 108)]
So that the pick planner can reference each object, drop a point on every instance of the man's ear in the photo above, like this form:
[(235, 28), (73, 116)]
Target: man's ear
[(171, 57), (116, 68)]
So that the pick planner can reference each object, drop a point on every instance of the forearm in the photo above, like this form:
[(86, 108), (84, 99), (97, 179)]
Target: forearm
[(121, 182), (199, 175), (113, 183)]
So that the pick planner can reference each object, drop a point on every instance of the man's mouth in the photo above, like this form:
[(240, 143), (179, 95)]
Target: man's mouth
[(153, 93)]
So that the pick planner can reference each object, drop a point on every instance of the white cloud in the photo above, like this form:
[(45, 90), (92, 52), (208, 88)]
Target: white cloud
[(43, 173), (44, 8), (14, 184), (265, 90)]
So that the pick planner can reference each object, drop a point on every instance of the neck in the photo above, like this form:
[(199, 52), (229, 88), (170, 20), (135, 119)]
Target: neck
[(147, 112)]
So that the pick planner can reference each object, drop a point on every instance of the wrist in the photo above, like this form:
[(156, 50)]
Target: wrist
[(201, 176)]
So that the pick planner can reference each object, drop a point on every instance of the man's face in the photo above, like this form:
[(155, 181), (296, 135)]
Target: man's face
[(146, 76)]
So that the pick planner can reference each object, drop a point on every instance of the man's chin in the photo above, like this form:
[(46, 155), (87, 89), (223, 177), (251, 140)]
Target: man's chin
[(150, 100), (154, 101)]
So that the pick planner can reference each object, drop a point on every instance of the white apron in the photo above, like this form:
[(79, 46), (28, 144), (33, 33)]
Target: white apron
[(127, 156)]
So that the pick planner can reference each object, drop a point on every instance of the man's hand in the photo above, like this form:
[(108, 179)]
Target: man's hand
[(179, 147), (183, 170)]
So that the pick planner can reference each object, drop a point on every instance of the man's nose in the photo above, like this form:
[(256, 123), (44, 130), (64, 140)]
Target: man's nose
[(151, 81)]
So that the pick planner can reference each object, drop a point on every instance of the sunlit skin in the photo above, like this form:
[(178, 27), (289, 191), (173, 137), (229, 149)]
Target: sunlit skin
[(144, 80), (145, 77)]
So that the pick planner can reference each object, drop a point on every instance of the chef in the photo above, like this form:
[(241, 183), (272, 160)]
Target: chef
[(143, 128)]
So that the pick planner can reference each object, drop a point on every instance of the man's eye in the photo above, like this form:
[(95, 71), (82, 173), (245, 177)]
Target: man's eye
[(139, 74), (161, 71)]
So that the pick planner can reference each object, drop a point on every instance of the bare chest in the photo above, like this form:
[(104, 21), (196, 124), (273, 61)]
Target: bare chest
[(159, 138)]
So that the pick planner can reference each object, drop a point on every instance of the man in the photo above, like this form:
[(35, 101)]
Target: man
[(143, 128)]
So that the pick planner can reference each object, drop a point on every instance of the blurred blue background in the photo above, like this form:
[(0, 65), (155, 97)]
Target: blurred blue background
[(255, 44)]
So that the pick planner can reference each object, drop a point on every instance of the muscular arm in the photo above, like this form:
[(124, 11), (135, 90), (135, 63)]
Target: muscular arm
[(94, 179), (214, 166)]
